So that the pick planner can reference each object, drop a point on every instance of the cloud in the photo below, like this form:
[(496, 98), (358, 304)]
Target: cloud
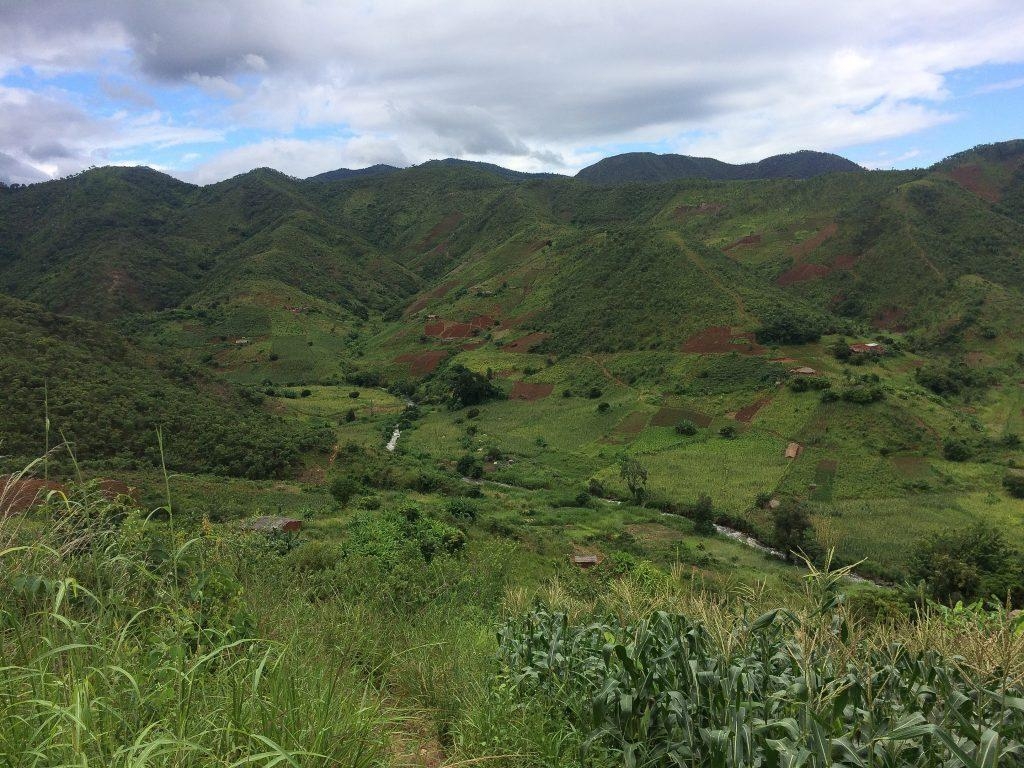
[(298, 157), (531, 85)]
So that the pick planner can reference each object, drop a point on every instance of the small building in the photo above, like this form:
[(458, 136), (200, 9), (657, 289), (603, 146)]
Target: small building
[(274, 524), (241, 342), (793, 450), (870, 348), (585, 561), (803, 371)]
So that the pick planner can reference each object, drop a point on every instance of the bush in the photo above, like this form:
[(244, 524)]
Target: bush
[(469, 466), (864, 393), (686, 428), (790, 325), (954, 449), (968, 565), (350, 415), (354, 394), (729, 431), (462, 510), (1013, 482), (603, 408), (593, 393), (343, 489)]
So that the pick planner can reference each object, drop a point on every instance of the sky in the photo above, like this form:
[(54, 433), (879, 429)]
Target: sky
[(207, 90)]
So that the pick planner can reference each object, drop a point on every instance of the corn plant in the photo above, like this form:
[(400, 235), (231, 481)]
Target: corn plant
[(785, 690)]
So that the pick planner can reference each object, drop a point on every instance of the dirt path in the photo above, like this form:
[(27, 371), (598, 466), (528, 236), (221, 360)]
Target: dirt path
[(607, 374), (698, 262)]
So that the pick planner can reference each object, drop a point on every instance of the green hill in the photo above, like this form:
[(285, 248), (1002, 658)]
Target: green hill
[(107, 400), (648, 166)]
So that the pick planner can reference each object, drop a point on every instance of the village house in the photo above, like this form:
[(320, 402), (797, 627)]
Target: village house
[(870, 348)]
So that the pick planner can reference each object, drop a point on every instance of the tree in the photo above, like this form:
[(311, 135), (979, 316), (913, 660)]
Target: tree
[(635, 475), (343, 489), (703, 516), (789, 325), (469, 387), (794, 532), (968, 565), (686, 427)]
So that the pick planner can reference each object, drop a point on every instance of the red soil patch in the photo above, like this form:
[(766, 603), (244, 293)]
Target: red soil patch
[(442, 229), (473, 345), (720, 338), (482, 322), (890, 318), (526, 343), (800, 250), (845, 262), (422, 363), (747, 413), (524, 390), (20, 495), (506, 373), (782, 360), (828, 465), (971, 178), (669, 417), (754, 239), (449, 329), (802, 273)]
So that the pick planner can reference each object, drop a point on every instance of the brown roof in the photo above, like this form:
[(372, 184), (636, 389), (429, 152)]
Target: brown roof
[(271, 523), (871, 346), (793, 450), (803, 371)]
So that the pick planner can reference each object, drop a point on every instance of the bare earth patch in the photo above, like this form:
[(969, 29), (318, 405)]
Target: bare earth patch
[(526, 343), (747, 413), (670, 416), (971, 178), (720, 338), (805, 248), (524, 390), (802, 273), (754, 239), (422, 363)]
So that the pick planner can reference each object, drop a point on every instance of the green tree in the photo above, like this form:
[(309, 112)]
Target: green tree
[(703, 516), (968, 565), (635, 476), (343, 489), (794, 532)]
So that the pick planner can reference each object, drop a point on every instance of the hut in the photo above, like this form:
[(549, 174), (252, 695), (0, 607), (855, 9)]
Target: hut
[(803, 371), (585, 561), (274, 524), (870, 348), (793, 450)]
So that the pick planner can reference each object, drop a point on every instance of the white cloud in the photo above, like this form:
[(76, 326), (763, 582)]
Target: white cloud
[(529, 84)]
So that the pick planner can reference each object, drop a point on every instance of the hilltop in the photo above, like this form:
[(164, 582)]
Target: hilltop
[(648, 166)]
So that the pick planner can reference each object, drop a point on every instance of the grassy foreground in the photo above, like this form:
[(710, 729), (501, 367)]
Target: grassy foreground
[(133, 639)]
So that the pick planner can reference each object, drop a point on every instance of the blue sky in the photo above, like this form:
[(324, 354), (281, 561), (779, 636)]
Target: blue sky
[(206, 90)]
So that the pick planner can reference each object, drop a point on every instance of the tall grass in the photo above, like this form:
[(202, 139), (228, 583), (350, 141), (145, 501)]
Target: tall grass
[(125, 645)]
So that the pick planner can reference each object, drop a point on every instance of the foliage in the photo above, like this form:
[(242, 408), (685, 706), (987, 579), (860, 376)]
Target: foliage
[(793, 531), (970, 564), (635, 476), (703, 516), (789, 325)]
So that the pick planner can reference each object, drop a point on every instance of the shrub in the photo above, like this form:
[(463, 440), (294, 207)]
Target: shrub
[(354, 394), (967, 565), (350, 415), (686, 428), (603, 408), (955, 449), (462, 510), (729, 431), (789, 325), (472, 413), (794, 532), (469, 466), (1014, 484), (863, 393), (343, 489), (593, 393)]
